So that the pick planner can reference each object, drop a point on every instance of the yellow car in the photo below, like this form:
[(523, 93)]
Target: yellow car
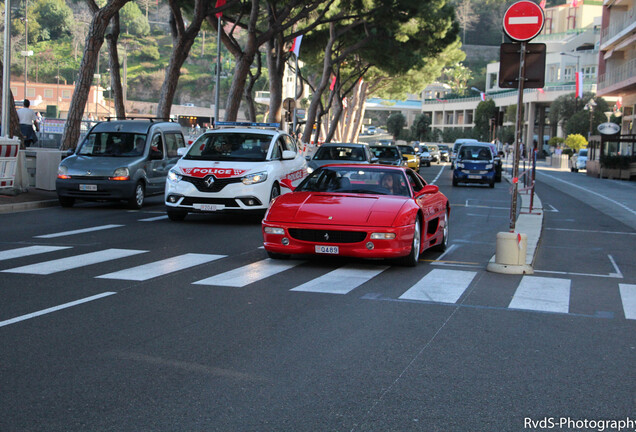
[(413, 160)]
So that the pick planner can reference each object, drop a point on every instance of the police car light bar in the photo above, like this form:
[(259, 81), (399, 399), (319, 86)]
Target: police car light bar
[(247, 124)]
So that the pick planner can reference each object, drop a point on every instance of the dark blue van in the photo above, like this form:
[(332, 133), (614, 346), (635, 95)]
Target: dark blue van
[(474, 164)]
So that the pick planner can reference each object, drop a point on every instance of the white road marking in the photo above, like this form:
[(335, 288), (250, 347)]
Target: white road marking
[(628, 297), (442, 286), (438, 175), (342, 280), (28, 251), (79, 231), (152, 219), (160, 268), (591, 231), (54, 309), (542, 294), (617, 274), (62, 264), (251, 273)]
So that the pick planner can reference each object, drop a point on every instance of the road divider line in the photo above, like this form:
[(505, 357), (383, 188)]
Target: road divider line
[(152, 219), (62, 264), (542, 294), (628, 297), (55, 308), (79, 231), (161, 268), (342, 280), (442, 286), (28, 251)]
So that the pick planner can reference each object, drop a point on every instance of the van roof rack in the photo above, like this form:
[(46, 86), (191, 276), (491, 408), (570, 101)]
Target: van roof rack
[(247, 124), (152, 119)]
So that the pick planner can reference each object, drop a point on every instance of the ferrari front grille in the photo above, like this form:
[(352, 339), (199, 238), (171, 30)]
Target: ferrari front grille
[(327, 236)]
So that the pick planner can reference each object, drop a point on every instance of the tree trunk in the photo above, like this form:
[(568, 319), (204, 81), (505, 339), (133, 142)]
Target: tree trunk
[(182, 41), (335, 120), (14, 122), (94, 41), (115, 76), (360, 110), (276, 68)]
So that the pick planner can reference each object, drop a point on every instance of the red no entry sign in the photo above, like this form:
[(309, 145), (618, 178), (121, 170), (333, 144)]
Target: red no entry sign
[(523, 21)]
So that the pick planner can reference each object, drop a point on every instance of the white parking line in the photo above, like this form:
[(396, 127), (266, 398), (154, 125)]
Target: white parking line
[(152, 219), (443, 286), (28, 251), (628, 297), (160, 268), (542, 294), (62, 264), (54, 309), (79, 231), (342, 280), (250, 273)]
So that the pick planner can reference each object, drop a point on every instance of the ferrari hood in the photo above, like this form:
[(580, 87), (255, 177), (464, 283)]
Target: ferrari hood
[(336, 209)]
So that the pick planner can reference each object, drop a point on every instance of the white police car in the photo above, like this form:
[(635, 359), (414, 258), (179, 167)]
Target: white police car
[(236, 167)]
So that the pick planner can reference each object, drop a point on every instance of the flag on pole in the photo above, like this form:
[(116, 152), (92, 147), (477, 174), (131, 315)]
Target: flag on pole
[(619, 102), (333, 83), (542, 4), (483, 96), (577, 3), (295, 48), (579, 84), (219, 3)]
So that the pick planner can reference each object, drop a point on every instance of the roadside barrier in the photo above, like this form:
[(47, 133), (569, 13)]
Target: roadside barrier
[(9, 149)]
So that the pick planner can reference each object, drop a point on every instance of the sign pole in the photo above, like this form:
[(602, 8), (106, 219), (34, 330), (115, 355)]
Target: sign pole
[(518, 130)]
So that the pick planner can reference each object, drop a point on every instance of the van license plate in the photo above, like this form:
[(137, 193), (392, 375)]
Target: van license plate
[(90, 188), (333, 250), (208, 207)]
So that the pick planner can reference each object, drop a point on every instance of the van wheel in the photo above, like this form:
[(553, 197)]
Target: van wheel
[(137, 200), (66, 201)]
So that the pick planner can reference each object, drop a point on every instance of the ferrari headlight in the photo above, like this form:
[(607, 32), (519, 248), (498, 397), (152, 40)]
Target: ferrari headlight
[(174, 176), (121, 174), (254, 178), (382, 236)]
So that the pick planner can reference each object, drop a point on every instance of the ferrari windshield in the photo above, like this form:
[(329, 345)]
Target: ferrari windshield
[(113, 144), (374, 181), (245, 147)]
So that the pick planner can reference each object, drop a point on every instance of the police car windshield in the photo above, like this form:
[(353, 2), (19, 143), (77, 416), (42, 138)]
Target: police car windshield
[(113, 144), (249, 147)]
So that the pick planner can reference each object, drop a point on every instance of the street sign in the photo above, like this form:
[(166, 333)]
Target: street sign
[(523, 21), (534, 65)]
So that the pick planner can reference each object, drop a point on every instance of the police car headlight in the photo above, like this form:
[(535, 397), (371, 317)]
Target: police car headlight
[(174, 176), (489, 166), (121, 174), (459, 165), (254, 178), (310, 170)]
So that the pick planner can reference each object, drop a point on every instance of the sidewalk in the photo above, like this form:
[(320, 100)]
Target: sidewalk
[(11, 201)]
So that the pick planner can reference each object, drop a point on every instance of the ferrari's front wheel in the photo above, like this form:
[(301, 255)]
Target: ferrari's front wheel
[(413, 257)]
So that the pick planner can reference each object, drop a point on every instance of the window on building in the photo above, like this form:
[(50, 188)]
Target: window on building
[(48, 94), (589, 72), (66, 94), (568, 73), (469, 117), (30, 92)]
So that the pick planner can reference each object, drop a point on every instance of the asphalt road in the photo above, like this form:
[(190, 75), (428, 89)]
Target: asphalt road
[(139, 323)]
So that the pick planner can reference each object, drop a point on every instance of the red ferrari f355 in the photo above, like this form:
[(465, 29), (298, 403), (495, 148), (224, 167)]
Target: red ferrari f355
[(364, 211)]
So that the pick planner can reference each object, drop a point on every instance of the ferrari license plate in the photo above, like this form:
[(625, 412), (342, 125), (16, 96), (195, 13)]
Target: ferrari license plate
[(333, 250), (88, 187), (474, 177), (208, 207)]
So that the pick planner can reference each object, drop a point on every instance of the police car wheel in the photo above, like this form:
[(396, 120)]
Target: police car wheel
[(275, 192), (176, 215)]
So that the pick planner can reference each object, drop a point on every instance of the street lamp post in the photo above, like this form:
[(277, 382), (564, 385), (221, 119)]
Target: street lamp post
[(589, 106)]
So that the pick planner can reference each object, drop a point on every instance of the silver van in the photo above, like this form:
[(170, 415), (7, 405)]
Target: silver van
[(120, 160)]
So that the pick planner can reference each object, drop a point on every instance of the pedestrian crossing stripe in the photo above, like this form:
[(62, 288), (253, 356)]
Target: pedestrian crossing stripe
[(28, 251), (73, 262), (79, 231), (342, 280), (542, 294), (248, 274), (161, 268), (628, 297), (442, 286)]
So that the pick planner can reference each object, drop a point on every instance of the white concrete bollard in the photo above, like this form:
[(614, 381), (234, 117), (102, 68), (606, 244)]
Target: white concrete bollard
[(510, 254)]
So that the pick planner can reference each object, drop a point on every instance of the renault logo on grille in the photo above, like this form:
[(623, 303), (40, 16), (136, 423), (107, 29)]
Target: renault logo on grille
[(209, 181), (326, 236)]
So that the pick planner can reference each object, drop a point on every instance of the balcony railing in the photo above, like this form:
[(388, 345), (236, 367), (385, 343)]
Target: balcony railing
[(618, 23), (617, 74)]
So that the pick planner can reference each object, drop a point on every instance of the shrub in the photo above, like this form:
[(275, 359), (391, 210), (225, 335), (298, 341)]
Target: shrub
[(576, 142)]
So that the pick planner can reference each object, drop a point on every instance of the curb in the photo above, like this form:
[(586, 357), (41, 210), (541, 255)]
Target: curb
[(529, 223), (32, 205)]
